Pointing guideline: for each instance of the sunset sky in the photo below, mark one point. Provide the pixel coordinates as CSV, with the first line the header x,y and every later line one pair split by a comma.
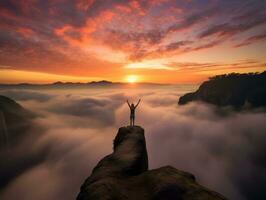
x,y
164,41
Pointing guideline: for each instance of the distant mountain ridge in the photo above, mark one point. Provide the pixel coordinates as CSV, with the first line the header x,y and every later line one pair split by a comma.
x,y
62,84
59,84
102,82
236,90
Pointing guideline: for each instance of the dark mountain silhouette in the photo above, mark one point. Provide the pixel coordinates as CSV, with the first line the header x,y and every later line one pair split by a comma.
x,y
14,120
59,84
124,174
93,83
103,82
234,89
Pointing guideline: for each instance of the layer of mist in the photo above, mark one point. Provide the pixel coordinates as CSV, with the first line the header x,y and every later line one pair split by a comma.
x,y
224,149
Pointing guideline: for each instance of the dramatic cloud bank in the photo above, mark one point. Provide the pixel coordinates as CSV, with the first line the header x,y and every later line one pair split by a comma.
x,y
225,150
84,38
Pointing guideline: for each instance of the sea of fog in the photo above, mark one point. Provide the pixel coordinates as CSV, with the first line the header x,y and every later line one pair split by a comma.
x,y
224,149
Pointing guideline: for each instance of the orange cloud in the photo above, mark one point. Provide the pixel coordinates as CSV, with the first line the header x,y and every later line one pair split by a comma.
x,y
26,32
112,39
83,34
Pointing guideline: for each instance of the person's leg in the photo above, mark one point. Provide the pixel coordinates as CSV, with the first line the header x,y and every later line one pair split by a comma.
x,y
130,121
133,121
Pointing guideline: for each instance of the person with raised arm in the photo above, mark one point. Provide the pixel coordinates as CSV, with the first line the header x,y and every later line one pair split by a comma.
x,y
132,108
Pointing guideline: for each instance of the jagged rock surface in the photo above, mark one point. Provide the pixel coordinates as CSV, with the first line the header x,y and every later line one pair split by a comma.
x,y
124,174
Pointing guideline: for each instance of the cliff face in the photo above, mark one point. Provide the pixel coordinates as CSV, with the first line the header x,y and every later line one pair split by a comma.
x,y
124,174
231,90
16,154
14,121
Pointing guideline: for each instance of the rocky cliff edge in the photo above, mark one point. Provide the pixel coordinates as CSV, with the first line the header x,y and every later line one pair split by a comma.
x,y
124,174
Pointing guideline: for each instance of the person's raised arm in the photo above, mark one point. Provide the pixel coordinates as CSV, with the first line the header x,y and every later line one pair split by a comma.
x,y
128,103
137,103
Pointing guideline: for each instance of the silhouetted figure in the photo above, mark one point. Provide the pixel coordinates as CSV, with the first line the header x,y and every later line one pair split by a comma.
x,y
132,112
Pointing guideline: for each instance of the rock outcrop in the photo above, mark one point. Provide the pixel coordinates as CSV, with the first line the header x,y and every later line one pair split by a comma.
x,y
235,90
16,141
124,174
14,120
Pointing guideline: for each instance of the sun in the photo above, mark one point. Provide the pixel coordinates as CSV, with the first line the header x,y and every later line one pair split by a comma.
x,y
132,78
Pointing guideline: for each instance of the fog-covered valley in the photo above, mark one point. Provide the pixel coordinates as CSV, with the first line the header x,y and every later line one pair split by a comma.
x,y
74,128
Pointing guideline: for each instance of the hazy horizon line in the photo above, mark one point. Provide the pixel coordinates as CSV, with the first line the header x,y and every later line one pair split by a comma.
x,y
92,82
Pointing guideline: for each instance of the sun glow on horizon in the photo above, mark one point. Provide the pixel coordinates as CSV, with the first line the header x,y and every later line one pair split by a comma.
x,y
132,78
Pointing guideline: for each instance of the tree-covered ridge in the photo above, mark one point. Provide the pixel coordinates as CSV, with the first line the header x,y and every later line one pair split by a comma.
x,y
233,89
